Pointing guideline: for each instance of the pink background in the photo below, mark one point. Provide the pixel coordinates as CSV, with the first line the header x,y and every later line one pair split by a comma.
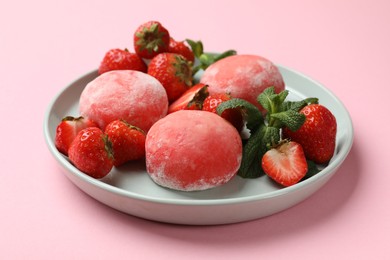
x,y
45,45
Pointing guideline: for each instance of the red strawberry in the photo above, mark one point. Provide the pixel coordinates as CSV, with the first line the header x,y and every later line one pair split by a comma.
x,y
118,59
182,49
67,130
233,115
192,99
150,39
317,135
91,152
128,142
174,73
286,164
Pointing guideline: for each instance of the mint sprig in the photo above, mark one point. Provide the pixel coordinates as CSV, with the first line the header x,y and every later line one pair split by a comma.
x,y
312,170
265,132
251,113
205,59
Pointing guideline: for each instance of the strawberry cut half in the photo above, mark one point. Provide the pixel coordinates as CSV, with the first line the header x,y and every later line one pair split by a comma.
x,y
286,164
67,130
192,99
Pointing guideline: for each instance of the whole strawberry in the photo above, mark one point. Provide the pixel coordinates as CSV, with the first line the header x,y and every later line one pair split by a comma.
x,y
118,59
150,39
192,99
174,73
181,48
67,130
286,163
232,115
128,142
91,152
317,135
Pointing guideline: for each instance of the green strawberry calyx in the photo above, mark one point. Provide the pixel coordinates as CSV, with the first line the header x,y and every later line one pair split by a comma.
x,y
265,130
150,38
183,70
108,147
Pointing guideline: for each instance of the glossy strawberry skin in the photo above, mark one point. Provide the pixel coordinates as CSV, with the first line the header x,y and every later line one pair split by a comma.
x,y
150,39
181,48
317,135
174,73
91,152
234,116
128,142
192,99
67,130
118,59
285,164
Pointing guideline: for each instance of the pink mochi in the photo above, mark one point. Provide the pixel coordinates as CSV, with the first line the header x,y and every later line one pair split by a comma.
x,y
133,96
243,76
192,150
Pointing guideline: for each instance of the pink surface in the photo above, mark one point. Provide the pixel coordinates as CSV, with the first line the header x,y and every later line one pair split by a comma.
x,y
45,45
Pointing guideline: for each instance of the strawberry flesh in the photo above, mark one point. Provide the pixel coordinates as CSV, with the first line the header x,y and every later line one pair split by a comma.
x,y
286,164
67,130
192,99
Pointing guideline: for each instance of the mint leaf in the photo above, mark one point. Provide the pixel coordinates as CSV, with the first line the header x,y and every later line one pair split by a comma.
x,y
298,105
270,138
205,59
196,47
290,118
280,98
257,145
252,153
224,55
251,113
312,170
266,99
272,102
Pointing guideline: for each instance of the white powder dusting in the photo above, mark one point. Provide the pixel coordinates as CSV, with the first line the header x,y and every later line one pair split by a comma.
x,y
176,144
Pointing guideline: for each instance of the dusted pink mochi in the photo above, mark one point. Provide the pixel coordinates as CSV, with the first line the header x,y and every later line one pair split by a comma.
x,y
134,96
243,76
192,150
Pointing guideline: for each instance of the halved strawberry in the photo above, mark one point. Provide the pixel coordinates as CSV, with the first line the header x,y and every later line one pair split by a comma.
x,y
67,130
286,163
192,99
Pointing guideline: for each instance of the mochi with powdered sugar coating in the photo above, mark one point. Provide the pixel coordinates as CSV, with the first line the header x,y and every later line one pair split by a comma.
x,y
192,150
133,96
243,76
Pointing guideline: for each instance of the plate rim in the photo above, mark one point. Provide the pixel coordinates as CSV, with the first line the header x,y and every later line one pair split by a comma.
x,y
65,163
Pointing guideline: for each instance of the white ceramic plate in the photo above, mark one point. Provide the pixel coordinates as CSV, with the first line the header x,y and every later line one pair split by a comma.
x,y
130,190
